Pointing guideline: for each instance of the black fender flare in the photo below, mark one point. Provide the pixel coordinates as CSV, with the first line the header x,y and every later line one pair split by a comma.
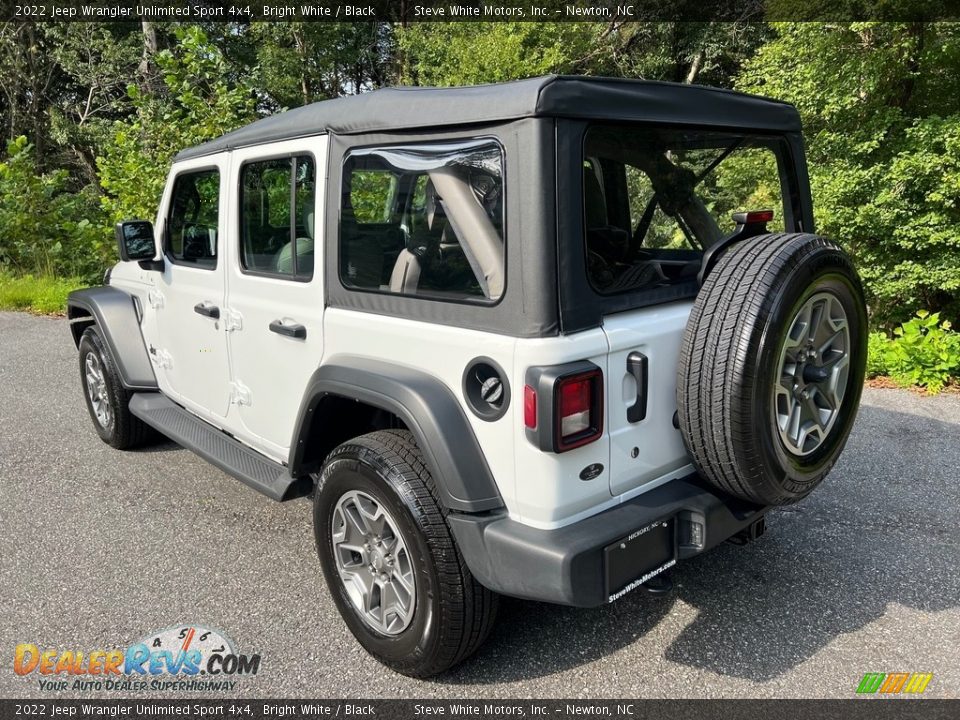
x,y
429,410
115,315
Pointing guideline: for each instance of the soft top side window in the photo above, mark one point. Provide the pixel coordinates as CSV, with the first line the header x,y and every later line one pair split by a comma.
x,y
424,220
192,219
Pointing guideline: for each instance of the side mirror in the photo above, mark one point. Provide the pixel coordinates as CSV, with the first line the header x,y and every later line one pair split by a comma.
x,y
135,240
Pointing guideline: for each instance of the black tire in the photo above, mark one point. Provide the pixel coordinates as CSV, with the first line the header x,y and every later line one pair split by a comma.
x,y
453,614
730,365
122,429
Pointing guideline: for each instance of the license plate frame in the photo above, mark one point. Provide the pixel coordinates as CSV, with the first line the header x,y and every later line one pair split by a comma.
x,y
639,557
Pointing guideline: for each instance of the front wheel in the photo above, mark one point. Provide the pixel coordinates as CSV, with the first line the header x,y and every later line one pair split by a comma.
x,y
390,560
107,399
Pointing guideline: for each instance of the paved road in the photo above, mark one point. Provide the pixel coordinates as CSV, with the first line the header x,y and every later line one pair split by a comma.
x,y
99,547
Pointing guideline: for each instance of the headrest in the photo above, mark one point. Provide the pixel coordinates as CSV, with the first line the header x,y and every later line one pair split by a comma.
x,y
307,216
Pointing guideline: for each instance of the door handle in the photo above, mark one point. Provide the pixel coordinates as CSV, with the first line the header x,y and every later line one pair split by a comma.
x,y
294,330
637,366
210,311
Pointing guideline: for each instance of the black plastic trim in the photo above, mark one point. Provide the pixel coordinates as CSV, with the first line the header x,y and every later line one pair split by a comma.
x,y
637,366
114,312
478,406
743,231
212,444
566,565
425,405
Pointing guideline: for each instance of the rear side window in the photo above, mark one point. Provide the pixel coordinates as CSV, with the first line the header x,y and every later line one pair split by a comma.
x,y
654,199
192,219
424,220
277,219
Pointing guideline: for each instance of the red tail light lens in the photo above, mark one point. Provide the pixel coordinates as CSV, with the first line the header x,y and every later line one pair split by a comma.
x,y
579,409
530,407
753,216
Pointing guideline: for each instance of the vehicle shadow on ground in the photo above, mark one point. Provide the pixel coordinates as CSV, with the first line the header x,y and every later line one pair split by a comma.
x,y
880,532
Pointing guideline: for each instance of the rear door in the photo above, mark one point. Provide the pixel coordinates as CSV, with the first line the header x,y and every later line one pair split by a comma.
x,y
644,351
653,198
275,287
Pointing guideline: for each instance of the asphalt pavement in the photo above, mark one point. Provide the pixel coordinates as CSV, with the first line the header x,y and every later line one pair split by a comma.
x,y
99,548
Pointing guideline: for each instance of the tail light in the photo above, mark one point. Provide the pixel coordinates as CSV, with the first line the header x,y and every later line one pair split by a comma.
x,y
563,406
579,409
530,407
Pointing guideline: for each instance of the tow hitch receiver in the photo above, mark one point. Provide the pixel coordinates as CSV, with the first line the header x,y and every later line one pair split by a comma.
x,y
751,532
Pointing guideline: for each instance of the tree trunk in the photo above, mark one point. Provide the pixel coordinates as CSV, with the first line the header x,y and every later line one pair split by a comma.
x,y
146,68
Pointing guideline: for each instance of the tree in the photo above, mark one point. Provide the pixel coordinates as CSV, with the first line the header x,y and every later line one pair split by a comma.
x,y
194,105
881,110
302,62
475,52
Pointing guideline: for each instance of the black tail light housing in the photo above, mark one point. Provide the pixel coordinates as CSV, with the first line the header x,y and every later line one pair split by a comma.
x,y
563,405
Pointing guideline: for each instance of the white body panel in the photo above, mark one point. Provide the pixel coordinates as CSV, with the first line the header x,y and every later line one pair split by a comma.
x,y
208,363
656,332
190,350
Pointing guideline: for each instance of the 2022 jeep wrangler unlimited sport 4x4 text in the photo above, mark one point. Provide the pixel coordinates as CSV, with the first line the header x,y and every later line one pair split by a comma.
x,y
507,336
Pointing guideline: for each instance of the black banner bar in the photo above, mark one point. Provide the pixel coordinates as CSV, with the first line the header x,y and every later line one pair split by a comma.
x,y
873,708
407,11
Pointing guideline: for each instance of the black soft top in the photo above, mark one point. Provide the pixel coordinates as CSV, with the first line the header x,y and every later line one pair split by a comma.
x,y
586,98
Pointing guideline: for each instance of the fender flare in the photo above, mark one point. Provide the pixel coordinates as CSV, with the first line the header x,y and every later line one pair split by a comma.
x,y
429,410
115,315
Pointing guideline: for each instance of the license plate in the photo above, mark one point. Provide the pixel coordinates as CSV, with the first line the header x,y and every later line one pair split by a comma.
x,y
639,557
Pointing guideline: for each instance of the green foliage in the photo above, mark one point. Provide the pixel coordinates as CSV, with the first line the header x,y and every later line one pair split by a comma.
x,y
195,104
302,62
43,295
881,110
923,351
43,228
469,53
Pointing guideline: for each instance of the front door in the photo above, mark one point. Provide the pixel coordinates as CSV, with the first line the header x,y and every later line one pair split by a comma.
x,y
190,354
275,287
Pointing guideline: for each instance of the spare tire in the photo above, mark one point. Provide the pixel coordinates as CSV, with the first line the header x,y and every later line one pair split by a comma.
x,y
771,366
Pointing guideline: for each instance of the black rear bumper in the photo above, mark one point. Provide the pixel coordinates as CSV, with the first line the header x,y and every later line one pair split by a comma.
x,y
567,565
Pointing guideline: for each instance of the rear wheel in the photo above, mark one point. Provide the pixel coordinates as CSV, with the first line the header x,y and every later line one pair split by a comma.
x,y
772,365
390,560
107,399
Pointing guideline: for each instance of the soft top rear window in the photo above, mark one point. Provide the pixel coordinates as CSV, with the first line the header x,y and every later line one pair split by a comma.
x,y
655,198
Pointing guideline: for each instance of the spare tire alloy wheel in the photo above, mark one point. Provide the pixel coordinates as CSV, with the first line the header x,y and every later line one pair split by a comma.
x,y
814,366
771,366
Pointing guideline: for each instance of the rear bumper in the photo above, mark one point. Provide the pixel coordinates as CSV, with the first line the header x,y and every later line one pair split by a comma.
x,y
567,565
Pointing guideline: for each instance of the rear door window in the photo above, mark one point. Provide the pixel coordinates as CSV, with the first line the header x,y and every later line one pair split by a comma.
x,y
277,222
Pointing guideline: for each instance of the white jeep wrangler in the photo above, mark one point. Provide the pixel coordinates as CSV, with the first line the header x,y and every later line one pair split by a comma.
x,y
508,336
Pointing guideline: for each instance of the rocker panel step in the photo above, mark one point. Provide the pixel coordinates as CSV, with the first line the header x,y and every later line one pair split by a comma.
x,y
230,455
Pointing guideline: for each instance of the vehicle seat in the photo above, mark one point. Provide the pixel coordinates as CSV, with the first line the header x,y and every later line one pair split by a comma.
x,y
424,241
609,241
304,246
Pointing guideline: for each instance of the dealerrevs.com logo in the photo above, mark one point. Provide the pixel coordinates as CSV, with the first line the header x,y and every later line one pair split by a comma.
x,y
185,657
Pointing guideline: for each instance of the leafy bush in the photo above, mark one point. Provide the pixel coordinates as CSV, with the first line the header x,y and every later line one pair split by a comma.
x,y
924,351
44,229
881,111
